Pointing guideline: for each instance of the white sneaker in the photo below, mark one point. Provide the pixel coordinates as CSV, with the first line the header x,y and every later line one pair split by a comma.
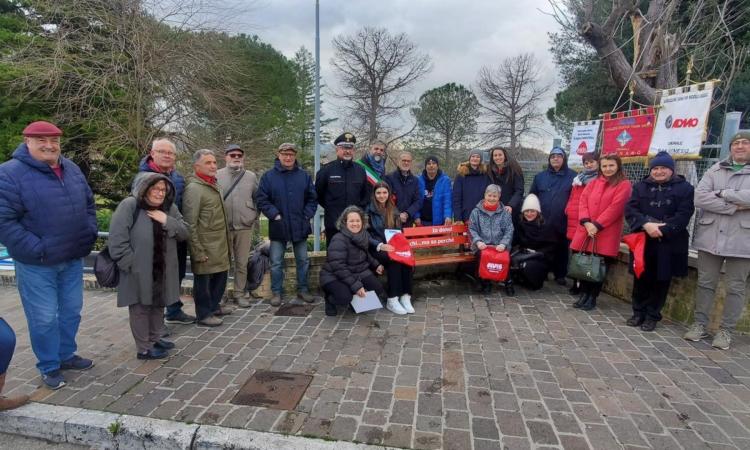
x,y
394,306
405,301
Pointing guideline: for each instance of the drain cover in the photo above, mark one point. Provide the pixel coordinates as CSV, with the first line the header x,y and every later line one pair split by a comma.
x,y
275,390
294,310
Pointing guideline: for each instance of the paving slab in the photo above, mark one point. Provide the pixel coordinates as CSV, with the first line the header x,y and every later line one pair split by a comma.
x,y
465,371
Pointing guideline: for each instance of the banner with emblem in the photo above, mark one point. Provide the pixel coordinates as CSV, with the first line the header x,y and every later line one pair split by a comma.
x,y
681,123
628,133
583,140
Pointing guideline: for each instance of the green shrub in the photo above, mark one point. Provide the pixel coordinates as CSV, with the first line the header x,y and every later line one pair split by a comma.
x,y
103,217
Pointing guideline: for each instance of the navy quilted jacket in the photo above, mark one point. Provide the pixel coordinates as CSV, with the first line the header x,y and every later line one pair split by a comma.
x,y
177,180
45,220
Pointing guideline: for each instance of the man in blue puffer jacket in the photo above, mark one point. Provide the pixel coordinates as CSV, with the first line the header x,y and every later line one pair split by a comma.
x,y
286,196
553,186
48,224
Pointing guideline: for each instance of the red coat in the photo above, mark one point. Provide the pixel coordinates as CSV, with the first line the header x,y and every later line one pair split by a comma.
x,y
571,211
604,206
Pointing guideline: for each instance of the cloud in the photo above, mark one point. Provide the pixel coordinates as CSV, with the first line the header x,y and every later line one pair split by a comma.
x,y
459,36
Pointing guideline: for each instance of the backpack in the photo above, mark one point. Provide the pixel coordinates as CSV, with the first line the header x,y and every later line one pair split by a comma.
x,y
257,265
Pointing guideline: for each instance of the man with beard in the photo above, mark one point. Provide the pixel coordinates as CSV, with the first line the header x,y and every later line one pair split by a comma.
x,y
552,186
374,164
238,187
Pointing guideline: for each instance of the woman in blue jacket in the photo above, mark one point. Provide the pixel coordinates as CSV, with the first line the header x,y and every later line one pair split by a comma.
x,y
435,186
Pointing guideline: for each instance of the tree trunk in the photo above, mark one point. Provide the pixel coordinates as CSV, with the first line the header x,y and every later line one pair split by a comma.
x,y
619,67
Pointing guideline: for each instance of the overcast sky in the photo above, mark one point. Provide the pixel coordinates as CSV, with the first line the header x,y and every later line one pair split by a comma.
x,y
459,36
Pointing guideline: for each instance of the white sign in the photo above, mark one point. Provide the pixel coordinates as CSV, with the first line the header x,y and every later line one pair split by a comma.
x,y
681,122
582,141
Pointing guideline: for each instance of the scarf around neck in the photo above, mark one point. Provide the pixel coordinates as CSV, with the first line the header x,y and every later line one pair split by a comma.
x,y
360,239
489,207
583,178
207,178
378,166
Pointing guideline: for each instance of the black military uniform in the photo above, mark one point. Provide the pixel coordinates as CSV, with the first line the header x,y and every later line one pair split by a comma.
x,y
339,184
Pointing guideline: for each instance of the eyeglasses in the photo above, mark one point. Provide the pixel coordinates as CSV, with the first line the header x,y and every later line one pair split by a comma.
x,y
165,153
158,190
741,142
235,155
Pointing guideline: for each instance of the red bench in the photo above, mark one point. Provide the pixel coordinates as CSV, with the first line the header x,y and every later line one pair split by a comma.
x,y
453,238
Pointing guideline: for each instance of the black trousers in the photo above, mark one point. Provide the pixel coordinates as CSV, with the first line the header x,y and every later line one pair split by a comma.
x,y
207,292
400,276
175,308
649,297
560,259
340,294
592,288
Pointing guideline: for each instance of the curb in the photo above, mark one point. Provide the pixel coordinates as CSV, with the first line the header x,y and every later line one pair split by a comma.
x,y
105,430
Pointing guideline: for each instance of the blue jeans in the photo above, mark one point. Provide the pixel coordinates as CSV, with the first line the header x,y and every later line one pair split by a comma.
x,y
52,298
277,265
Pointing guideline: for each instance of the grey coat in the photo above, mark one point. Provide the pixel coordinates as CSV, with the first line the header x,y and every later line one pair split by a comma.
x,y
723,223
131,244
490,227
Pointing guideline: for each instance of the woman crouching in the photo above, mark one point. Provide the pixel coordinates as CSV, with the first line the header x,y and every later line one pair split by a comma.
x,y
348,267
490,224
143,239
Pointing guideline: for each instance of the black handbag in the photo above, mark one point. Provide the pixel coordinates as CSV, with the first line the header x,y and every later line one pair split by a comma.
x,y
587,266
105,269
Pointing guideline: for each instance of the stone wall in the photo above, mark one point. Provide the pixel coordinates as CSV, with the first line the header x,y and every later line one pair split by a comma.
x,y
681,299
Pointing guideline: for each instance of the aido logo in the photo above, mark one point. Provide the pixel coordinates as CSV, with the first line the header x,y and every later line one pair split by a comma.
x,y
494,267
681,123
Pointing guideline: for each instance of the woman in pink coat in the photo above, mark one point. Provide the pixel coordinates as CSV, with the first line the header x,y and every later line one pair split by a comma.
x,y
589,173
601,216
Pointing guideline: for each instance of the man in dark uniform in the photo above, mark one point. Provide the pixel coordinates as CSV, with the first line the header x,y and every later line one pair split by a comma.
x,y
341,183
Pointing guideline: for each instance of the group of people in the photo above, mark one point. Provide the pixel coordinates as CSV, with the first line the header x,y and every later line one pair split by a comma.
x,y
48,224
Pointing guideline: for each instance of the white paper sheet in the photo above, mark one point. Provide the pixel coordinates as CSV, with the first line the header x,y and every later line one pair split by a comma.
x,y
368,303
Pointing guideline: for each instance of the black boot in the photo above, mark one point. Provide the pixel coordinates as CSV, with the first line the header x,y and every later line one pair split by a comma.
x,y
582,299
330,308
590,303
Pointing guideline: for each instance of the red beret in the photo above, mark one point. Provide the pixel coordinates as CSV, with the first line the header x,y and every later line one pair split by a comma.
x,y
41,128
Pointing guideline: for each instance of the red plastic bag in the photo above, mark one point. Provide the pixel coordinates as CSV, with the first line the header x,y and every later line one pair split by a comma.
x,y
636,242
402,252
494,265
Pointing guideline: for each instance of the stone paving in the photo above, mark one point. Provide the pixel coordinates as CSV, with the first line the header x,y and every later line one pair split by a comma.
x,y
465,372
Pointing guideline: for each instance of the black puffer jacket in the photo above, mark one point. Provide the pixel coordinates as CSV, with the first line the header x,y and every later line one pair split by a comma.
x,y
347,259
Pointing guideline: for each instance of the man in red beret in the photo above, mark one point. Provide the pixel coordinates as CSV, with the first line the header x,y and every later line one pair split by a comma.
x,y
48,224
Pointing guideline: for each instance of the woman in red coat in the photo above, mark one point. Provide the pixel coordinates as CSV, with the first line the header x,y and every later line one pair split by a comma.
x,y
601,216
590,172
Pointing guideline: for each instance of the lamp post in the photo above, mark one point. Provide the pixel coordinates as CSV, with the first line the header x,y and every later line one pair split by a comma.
x,y
316,220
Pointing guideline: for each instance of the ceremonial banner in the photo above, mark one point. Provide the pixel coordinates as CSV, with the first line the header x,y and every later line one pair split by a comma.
x,y
681,123
628,133
582,140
